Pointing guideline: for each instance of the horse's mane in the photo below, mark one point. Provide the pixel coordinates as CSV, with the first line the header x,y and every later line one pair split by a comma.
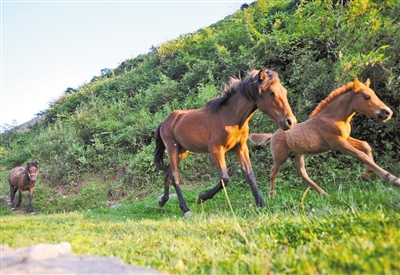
x,y
332,96
29,164
250,88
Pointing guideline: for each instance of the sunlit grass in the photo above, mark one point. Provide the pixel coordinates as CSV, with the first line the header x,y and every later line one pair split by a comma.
x,y
354,230
211,242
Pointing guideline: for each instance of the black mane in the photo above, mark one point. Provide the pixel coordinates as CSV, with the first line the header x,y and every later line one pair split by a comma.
x,y
30,164
250,89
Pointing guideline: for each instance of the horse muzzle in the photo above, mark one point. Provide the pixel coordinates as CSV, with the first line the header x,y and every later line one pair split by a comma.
x,y
287,123
384,114
32,177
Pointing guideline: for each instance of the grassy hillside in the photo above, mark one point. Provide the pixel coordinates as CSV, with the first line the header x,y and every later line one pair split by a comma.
x,y
106,126
97,184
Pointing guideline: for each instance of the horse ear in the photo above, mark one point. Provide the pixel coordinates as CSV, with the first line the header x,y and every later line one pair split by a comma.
x,y
368,82
262,75
356,85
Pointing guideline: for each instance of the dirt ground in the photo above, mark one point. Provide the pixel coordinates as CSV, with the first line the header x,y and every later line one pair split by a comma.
x,y
22,210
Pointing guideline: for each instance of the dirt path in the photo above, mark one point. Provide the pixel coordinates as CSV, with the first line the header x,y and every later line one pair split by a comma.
x,y
22,210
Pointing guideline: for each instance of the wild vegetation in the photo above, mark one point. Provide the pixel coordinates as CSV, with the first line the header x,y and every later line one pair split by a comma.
x,y
94,146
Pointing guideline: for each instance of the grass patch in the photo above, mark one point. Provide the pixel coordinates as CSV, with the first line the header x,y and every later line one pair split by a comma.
x,y
355,230
307,243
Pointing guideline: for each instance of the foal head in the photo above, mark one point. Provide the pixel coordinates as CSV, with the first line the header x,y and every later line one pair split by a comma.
x,y
367,102
272,98
31,167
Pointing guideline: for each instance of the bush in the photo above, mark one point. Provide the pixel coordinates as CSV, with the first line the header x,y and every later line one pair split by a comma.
x,y
315,46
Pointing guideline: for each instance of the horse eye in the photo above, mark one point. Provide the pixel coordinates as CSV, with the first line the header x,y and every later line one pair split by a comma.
x,y
271,93
366,97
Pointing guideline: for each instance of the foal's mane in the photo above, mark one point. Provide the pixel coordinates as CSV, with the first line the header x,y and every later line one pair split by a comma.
x,y
30,164
250,88
332,96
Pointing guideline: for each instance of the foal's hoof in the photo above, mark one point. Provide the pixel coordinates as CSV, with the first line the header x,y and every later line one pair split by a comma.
x,y
261,204
365,177
199,200
187,214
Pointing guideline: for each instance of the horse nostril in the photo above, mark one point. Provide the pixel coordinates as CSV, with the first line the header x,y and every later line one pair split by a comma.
x,y
289,122
384,114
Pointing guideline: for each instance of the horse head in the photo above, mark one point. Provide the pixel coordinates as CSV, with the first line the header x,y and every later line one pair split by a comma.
x,y
32,167
368,103
273,100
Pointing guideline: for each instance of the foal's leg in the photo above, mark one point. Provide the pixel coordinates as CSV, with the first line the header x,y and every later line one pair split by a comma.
x,y
31,200
165,197
364,147
278,162
301,172
347,148
280,153
242,153
167,179
219,159
175,158
19,197
13,190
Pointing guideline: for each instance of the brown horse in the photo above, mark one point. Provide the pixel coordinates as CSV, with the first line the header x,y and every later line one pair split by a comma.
x,y
23,179
329,128
222,126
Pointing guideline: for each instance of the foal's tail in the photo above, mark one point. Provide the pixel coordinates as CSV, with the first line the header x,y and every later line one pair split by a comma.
x,y
260,139
158,153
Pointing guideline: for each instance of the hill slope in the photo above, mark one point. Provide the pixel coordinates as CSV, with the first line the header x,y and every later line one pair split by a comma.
x,y
106,127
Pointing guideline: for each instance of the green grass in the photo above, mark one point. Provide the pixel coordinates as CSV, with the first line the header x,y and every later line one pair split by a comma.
x,y
308,243
355,230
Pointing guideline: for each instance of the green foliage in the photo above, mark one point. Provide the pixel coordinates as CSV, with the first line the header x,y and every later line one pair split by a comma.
x,y
107,126
15,148
95,145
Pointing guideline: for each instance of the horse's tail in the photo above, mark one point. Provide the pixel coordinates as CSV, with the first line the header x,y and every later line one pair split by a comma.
x,y
158,153
259,139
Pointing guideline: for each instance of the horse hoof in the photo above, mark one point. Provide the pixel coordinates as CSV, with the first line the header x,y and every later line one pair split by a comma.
x,y
365,177
261,204
187,214
199,201
12,209
33,213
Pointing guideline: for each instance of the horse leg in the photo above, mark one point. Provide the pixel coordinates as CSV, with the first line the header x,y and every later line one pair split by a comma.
x,y
364,147
347,148
273,175
280,153
13,190
165,197
19,197
175,159
301,172
244,159
31,200
219,159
